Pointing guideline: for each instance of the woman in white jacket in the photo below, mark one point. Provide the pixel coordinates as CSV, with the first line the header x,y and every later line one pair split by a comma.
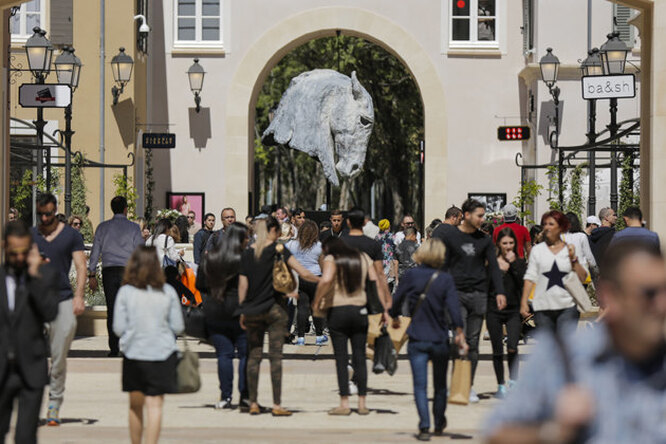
x,y
164,244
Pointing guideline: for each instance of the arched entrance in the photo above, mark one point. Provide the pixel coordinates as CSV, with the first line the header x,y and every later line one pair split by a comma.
x,y
273,45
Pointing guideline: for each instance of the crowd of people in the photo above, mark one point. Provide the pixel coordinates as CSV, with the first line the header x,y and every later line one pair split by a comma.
x,y
456,276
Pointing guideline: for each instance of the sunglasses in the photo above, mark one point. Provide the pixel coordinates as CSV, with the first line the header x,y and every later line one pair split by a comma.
x,y
190,217
45,213
76,224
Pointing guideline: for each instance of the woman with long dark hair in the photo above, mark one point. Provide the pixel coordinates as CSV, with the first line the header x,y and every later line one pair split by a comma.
x,y
345,273
577,237
306,248
147,316
513,270
550,261
182,226
264,309
164,243
218,280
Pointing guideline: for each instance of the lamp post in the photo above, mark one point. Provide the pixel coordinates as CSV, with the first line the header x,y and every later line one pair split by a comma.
x,y
613,60
196,75
68,68
39,51
591,66
549,66
121,67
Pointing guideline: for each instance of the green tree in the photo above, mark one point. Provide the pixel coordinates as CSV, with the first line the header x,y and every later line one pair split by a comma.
x,y
575,202
629,194
392,161
79,197
527,195
125,187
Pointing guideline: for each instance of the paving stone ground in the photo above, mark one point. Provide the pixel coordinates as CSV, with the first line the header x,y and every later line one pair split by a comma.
x,y
95,408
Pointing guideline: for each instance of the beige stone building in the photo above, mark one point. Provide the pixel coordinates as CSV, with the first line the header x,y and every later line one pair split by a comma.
x,y
475,63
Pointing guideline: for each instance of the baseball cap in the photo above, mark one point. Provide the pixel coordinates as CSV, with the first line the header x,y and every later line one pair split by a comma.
x,y
510,212
594,220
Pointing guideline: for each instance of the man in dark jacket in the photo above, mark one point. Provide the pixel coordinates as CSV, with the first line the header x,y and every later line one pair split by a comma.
x,y
602,236
28,299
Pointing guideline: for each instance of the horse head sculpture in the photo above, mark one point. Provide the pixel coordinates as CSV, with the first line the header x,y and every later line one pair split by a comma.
x,y
324,113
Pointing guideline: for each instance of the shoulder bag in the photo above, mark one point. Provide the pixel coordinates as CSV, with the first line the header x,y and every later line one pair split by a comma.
x,y
166,260
187,371
575,288
399,335
283,280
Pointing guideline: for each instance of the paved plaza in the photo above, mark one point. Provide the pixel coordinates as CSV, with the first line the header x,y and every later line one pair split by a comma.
x,y
95,409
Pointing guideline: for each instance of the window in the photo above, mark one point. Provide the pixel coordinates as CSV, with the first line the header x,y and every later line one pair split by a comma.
x,y
29,15
198,23
473,24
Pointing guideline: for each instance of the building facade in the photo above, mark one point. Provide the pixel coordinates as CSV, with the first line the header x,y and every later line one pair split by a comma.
x,y
475,63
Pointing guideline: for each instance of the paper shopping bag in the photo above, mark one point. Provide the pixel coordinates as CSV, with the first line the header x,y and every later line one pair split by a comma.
x,y
399,335
461,382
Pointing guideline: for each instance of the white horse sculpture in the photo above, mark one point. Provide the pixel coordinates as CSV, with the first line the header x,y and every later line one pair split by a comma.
x,y
324,113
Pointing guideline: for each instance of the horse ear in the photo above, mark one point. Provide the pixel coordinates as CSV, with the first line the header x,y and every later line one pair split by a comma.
x,y
357,89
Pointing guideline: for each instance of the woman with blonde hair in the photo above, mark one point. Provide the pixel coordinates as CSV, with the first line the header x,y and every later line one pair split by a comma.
x,y
264,309
147,316
430,294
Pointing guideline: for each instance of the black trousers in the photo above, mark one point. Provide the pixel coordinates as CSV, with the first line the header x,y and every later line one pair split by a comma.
x,y
112,279
306,293
347,323
29,402
494,321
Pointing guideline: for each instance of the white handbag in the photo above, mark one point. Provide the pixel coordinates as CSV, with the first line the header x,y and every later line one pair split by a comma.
x,y
577,292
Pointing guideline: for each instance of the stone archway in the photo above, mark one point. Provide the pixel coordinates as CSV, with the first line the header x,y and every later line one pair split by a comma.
x,y
278,41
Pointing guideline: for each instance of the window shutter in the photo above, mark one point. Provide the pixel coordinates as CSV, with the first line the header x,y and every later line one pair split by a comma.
x,y
61,33
528,26
621,15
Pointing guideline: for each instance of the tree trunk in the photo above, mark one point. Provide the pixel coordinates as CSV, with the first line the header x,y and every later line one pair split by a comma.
x,y
398,207
321,186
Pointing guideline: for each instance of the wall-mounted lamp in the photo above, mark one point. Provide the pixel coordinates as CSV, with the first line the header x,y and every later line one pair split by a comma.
x,y
121,66
196,75
144,28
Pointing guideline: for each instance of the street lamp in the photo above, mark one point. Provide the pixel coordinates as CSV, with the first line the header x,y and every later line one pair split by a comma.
x,y
196,75
591,66
39,51
613,59
68,68
614,54
121,66
549,65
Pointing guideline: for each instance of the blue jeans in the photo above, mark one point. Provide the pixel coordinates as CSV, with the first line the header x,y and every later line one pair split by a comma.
x,y
420,352
233,339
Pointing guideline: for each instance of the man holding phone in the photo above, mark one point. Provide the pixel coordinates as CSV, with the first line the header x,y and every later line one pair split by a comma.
x,y
60,244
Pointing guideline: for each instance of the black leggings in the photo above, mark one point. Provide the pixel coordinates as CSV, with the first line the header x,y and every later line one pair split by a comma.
x,y
306,293
347,323
494,321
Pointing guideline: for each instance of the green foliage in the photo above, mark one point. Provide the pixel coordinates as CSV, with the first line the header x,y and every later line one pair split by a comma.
x,y
125,187
79,197
629,194
527,195
553,187
150,185
392,161
20,192
575,202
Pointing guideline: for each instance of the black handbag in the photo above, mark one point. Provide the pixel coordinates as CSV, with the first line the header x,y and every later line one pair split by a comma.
x,y
374,304
386,356
195,321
